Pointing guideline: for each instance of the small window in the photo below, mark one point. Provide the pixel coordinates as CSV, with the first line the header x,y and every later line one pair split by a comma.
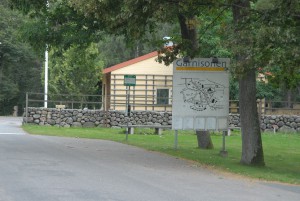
x,y
162,96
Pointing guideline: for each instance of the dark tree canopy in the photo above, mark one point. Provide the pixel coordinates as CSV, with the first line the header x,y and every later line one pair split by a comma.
x,y
19,66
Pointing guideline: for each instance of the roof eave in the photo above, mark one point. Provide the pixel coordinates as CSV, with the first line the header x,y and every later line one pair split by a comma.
x,y
130,62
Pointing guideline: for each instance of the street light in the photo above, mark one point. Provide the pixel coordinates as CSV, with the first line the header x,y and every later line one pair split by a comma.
x,y
46,67
186,59
46,78
215,60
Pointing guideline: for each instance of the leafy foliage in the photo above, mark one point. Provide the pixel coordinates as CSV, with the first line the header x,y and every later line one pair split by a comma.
x,y
233,89
56,24
278,42
19,66
75,71
134,19
267,91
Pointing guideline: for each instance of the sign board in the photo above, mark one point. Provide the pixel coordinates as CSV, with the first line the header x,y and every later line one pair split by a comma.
x,y
129,80
200,94
60,106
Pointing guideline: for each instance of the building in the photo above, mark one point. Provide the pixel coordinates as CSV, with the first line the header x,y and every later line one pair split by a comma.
x,y
153,85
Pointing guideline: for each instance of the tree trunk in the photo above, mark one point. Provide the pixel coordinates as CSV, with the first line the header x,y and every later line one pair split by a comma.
x,y
204,140
188,28
189,34
252,150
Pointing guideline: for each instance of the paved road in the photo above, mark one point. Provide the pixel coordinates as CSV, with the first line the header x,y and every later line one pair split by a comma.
x,y
39,168
11,125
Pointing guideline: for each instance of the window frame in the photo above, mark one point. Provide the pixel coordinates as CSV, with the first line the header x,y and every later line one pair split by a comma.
x,y
163,98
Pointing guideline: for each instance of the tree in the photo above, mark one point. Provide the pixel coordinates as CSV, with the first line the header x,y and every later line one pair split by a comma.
x,y
115,49
74,71
56,24
19,66
280,20
252,149
267,91
265,32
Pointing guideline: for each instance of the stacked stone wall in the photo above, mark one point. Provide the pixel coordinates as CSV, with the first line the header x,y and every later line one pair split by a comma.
x,y
269,123
94,118
99,118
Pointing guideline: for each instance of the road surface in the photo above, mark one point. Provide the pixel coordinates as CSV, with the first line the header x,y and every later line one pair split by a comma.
x,y
41,168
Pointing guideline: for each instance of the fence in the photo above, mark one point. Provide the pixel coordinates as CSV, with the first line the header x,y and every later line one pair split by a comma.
x,y
145,103
268,107
70,101
281,107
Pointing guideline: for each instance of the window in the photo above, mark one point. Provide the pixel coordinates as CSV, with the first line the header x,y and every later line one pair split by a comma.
x,y
162,96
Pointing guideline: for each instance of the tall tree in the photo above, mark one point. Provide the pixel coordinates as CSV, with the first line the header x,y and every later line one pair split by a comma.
x,y
19,66
265,35
56,23
279,32
115,49
252,149
75,70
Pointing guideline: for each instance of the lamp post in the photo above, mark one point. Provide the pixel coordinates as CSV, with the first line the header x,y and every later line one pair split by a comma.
x,y
46,66
46,79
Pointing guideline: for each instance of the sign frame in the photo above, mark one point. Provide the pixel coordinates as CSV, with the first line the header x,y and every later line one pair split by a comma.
x,y
129,80
200,94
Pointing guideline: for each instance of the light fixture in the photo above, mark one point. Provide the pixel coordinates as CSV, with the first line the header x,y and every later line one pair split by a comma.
x,y
186,59
168,42
215,60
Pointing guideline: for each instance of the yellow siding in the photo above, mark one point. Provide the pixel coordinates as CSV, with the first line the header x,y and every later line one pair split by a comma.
x,y
150,76
148,66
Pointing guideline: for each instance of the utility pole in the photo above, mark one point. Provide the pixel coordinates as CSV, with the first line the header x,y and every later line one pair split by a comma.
x,y
46,66
46,79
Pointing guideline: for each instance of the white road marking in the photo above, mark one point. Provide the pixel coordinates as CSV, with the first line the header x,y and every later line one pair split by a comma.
x,y
12,133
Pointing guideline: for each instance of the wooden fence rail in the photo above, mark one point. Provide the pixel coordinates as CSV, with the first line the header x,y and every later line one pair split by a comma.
x,y
142,102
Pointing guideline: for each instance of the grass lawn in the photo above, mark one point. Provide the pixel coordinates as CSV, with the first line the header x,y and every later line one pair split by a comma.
x,y
281,151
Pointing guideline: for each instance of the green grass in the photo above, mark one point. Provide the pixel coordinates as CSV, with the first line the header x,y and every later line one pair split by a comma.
x,y
281,151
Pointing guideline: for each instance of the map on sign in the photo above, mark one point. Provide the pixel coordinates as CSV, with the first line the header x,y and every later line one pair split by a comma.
x,y
200,94
203,94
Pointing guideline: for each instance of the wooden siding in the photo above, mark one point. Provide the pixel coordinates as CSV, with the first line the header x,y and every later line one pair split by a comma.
x,y
142,96
150,76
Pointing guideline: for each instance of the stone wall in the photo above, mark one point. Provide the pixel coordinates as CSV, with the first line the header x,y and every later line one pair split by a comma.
x,y
98,118
94,118
282,123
